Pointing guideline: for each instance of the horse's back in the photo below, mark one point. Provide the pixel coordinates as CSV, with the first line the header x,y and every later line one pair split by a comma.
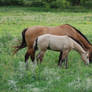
x,y
33,32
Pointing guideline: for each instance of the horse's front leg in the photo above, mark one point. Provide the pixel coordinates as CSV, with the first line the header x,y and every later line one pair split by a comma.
x,y
28,53
65,57
66,62
26,59
32,54
60,59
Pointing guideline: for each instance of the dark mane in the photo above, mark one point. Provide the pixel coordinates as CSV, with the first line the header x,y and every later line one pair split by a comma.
x,y
79,33
76,41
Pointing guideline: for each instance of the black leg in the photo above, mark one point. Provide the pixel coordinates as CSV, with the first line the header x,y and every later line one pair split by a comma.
x,y
26,60
26,57
32,56
60,59
66,62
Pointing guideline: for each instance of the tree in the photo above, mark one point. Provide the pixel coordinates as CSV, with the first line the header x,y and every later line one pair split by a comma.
x,y
77,2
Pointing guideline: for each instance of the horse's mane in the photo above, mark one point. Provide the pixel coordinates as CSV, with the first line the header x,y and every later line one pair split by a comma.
x,y
79,33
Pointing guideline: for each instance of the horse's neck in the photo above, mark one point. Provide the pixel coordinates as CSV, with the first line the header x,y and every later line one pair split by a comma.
x,y
82,39
85,43
77,47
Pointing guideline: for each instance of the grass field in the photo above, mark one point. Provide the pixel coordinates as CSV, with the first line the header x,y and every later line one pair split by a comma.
x,y
46,77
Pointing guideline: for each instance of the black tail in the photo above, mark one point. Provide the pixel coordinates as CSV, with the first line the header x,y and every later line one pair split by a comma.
x,y
35,44
22,44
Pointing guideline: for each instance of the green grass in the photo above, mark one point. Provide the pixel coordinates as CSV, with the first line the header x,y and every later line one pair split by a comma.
x,y
46,77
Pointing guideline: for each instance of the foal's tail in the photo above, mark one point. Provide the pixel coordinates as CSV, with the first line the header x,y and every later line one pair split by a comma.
x,y
22,44
35,45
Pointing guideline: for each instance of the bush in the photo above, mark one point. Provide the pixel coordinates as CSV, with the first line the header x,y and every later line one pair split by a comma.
x,y
43,3
56,3
11,2
34,3
77,2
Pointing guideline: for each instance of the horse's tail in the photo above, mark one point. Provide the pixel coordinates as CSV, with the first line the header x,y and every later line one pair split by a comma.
x,y
35,45
22,44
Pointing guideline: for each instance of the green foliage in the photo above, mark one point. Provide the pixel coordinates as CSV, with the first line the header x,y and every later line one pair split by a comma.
x,y
43,3
77,2
11,2
57,3
34,3
83,2
47,77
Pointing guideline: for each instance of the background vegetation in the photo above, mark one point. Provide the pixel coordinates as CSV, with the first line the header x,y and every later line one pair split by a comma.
x,y
46,77
44,3
15,15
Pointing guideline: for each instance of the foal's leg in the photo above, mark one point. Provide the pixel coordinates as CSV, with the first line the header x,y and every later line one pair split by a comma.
x,y
40,56
63,60
65,57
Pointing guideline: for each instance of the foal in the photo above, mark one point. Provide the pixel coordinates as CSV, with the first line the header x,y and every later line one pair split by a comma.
x,y
59,43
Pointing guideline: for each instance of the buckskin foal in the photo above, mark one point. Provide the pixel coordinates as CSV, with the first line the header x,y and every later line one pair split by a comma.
x,y
58,43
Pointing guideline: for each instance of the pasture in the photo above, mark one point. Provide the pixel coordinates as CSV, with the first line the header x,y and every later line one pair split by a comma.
x,y
47,77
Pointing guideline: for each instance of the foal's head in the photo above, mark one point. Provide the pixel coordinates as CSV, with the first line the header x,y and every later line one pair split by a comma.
x,y
85,57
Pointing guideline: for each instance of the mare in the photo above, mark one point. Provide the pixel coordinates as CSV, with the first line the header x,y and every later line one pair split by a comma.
x,y
58,43
30,34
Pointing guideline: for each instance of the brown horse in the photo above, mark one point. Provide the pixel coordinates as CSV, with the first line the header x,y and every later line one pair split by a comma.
x,y
30,34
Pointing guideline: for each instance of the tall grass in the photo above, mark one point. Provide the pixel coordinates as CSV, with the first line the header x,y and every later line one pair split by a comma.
x,y
47,77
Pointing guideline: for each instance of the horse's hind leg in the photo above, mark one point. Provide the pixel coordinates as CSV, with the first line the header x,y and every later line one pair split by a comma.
x,y
28,53
26,59
31,53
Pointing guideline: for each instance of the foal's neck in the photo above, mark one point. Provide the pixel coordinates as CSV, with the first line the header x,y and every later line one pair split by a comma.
x,y
78,47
